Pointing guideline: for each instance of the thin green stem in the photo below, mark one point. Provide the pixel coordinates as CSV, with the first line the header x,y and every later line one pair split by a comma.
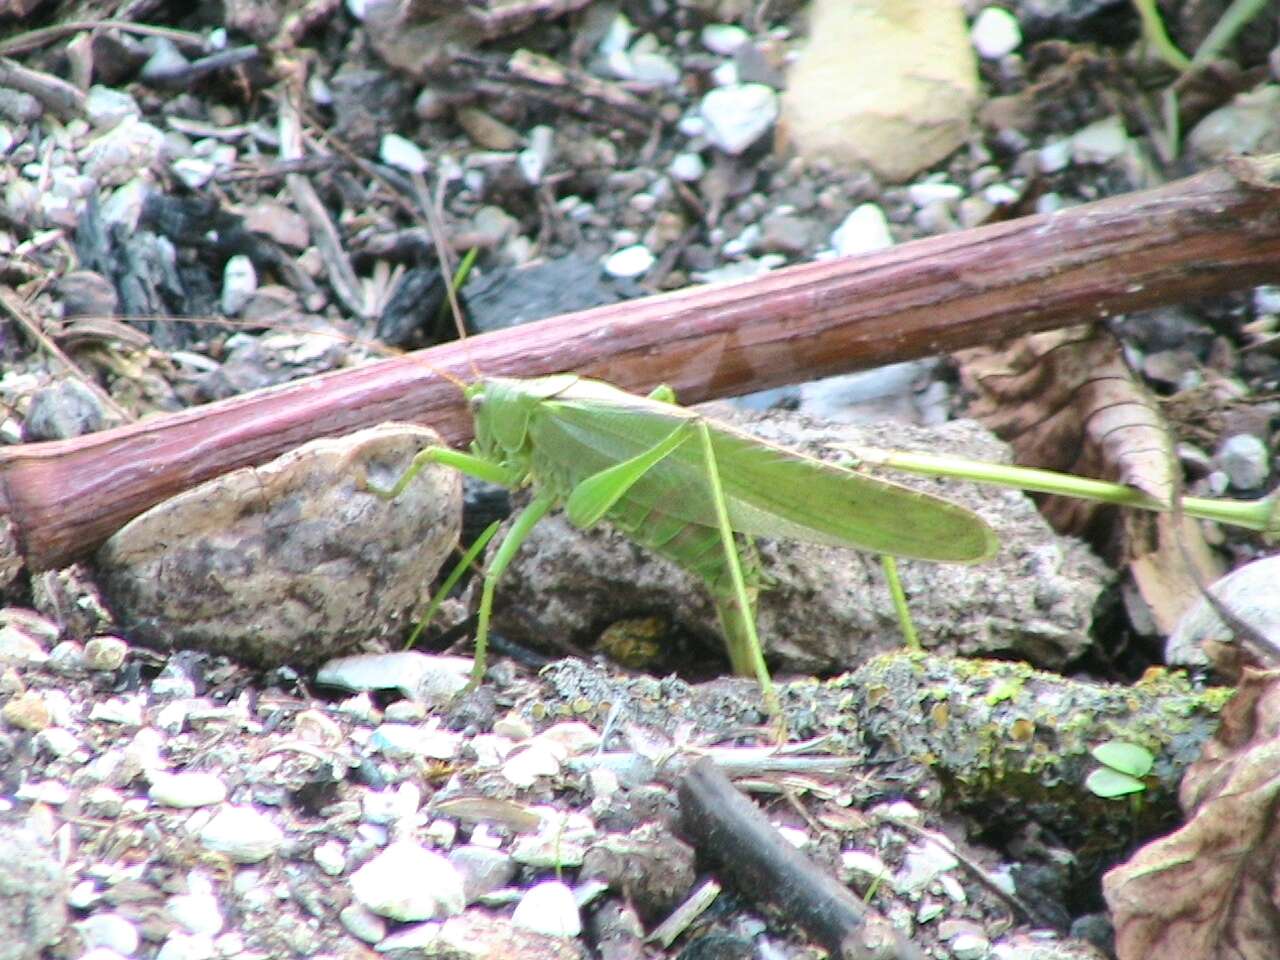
x,y
451,581
1155,34
1232,21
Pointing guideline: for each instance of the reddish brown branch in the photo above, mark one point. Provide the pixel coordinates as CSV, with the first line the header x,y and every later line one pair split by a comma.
x,y
1210,234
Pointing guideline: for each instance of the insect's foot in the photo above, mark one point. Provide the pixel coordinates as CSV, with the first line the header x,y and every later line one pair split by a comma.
x,y
780,733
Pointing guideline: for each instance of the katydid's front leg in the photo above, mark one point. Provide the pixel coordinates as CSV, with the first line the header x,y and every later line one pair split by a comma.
x,y
481,469
528,518
468,463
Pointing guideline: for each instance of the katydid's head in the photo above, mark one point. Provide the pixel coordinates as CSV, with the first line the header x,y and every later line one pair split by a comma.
x,y
502,407
501,418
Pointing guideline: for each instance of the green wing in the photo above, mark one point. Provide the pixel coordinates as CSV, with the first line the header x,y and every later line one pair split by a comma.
x,y
770,491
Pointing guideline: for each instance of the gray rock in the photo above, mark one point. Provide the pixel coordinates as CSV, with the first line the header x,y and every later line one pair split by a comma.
x,y
823,608
362,923
650,866
1249,124
1246,460
105,653
66,409
123,152
1248,593
33,894
483,869
291,562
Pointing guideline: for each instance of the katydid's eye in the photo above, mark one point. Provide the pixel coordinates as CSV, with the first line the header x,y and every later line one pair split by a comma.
x,y
476,403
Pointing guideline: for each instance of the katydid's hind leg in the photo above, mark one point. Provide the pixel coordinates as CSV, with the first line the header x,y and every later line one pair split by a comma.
x,y
899,596
745,652
528,518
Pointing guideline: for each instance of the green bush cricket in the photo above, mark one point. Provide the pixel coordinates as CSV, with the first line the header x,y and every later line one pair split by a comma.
x,y
687,487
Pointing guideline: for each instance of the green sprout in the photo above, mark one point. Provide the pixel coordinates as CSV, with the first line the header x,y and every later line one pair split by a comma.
x,y
1123,767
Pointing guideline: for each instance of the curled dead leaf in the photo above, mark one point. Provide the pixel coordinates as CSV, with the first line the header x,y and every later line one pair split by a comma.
x,y
1066,400
1211,890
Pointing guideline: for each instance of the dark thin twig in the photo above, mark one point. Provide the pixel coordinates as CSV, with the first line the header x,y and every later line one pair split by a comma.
x,y
732,831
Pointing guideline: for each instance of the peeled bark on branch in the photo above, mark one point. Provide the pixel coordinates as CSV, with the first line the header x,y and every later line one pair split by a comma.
x,y
1206,235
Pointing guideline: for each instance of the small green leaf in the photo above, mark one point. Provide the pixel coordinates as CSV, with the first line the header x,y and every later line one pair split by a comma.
x,y
1124,757
1107,783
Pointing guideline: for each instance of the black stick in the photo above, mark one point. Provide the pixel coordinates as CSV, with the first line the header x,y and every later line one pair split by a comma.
x,y
728,828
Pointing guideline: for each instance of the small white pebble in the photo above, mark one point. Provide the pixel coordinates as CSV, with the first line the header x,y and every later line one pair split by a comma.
x,y
723,38
524,766
330,857
923,194
197,913
407,882
126,711
1266,299
687,167
737,116
182,946
1245,459
189,789
242,833
549,908
109,930
1100,142
863,230
970,946
402,153
995,33
631,261
239,281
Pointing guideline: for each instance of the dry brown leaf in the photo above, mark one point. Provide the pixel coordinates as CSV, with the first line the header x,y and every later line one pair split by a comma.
x,y
1211,891
1066,400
